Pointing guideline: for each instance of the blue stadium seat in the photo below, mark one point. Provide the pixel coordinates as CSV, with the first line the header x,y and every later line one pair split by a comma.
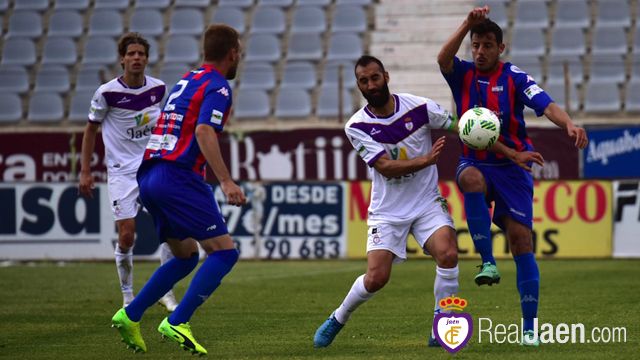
x,y
182,49
237,3
268,20
90,77
147,22
59,51
555,70
344,46
192,3
71,4
25,23
328,102
613,13
13,79
313,2
230,15
171,73
498,13
45,107
280,3
602,98
308,19
11,106
531,14
568,41
111,4
263,47
607,69
156,4
527,42
304,46
330,74
299,75
349,18
106,22
100,50
80,104
4,5
556,91
153,50
52,78
632,98
572,13
532,66
65,23
251,104
18,51
609,41
354,2
293,103
186,22
39,5
257,76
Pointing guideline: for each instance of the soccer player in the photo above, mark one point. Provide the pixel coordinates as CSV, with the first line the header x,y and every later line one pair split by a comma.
x,y
172,188
502,175
392,135
127,108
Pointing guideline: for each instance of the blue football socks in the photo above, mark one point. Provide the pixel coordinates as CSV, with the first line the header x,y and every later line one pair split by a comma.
x,y
204,283
160,282
479,222
528,285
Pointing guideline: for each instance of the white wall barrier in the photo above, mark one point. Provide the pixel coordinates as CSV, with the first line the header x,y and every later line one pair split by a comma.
x,y
626,218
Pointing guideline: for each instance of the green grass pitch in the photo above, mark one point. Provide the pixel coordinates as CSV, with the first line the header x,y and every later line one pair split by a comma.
x,y
270,310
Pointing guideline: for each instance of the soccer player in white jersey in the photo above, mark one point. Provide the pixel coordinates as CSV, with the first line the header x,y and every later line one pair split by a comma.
x,y
127,107
392,135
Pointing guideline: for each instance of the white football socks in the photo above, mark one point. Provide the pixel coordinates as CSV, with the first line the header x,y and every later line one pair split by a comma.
x,y
165,253
124,265
446,284
356,296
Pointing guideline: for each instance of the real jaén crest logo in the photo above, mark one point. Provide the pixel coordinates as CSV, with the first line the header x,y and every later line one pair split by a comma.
x,y
453,330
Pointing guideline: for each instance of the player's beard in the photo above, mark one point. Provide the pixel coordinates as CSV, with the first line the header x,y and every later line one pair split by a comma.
x,y
231,74
378,99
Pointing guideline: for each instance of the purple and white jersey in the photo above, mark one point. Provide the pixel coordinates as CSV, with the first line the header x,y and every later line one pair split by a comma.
x,y
128,116
405,134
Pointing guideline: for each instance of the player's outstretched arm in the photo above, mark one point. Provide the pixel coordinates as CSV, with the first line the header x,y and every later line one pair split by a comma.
x,y
210,148
560,117
85,188
522,158
451,47
394,168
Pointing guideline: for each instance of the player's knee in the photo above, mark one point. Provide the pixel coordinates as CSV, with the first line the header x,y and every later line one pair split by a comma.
x,y
471,180
448,258
126,239
375,281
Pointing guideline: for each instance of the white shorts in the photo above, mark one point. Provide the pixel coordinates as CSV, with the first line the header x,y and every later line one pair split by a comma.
x,y
123,195
393,237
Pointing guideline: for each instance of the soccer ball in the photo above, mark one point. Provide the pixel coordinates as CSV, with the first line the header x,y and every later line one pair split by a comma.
x,y
479,128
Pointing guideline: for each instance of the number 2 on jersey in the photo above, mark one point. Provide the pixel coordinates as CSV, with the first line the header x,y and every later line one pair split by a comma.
x,y
170,106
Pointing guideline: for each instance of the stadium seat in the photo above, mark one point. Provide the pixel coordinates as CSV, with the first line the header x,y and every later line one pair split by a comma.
x,y
106,22
71,4
186,22
251,104
531,65
79,107
602,97
313,2
354,2
263,47
632,98
192,3
45,107
4,5
349,18
613,13
636,40
344,46
11,106
153,50
65,23
171,73
90,77
607,69
237,3
230,15
304,46
111,4
52,78
330,74
572,13
328,102
147,22
24,23
18,51
556,91
293,103
609,41
531,14
39,5
257,76
182,49
527,42
498,13
268,20
555,70
156,4
60,51
13,79
280,3
308,19
100,50
299,75
568,41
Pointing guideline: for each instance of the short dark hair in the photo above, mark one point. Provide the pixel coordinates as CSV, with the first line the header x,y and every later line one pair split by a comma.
x,y
486,27
219,39
365,60
132,38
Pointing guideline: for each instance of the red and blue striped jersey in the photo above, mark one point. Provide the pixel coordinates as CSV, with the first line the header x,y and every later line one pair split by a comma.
x,y
202,96
505,92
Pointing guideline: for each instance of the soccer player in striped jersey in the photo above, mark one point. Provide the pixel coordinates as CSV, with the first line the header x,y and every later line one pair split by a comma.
x,y
501,175
392,135
127,108
172,188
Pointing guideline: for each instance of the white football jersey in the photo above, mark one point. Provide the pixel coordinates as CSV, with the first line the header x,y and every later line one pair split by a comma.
x,y
128,116
403,135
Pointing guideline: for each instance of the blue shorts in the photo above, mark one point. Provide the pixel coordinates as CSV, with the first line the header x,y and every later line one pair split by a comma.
x,y
509,186
181,203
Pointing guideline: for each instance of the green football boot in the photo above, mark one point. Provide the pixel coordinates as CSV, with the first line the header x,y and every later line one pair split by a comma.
x,y
182,335
129,331
529,339
488,275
